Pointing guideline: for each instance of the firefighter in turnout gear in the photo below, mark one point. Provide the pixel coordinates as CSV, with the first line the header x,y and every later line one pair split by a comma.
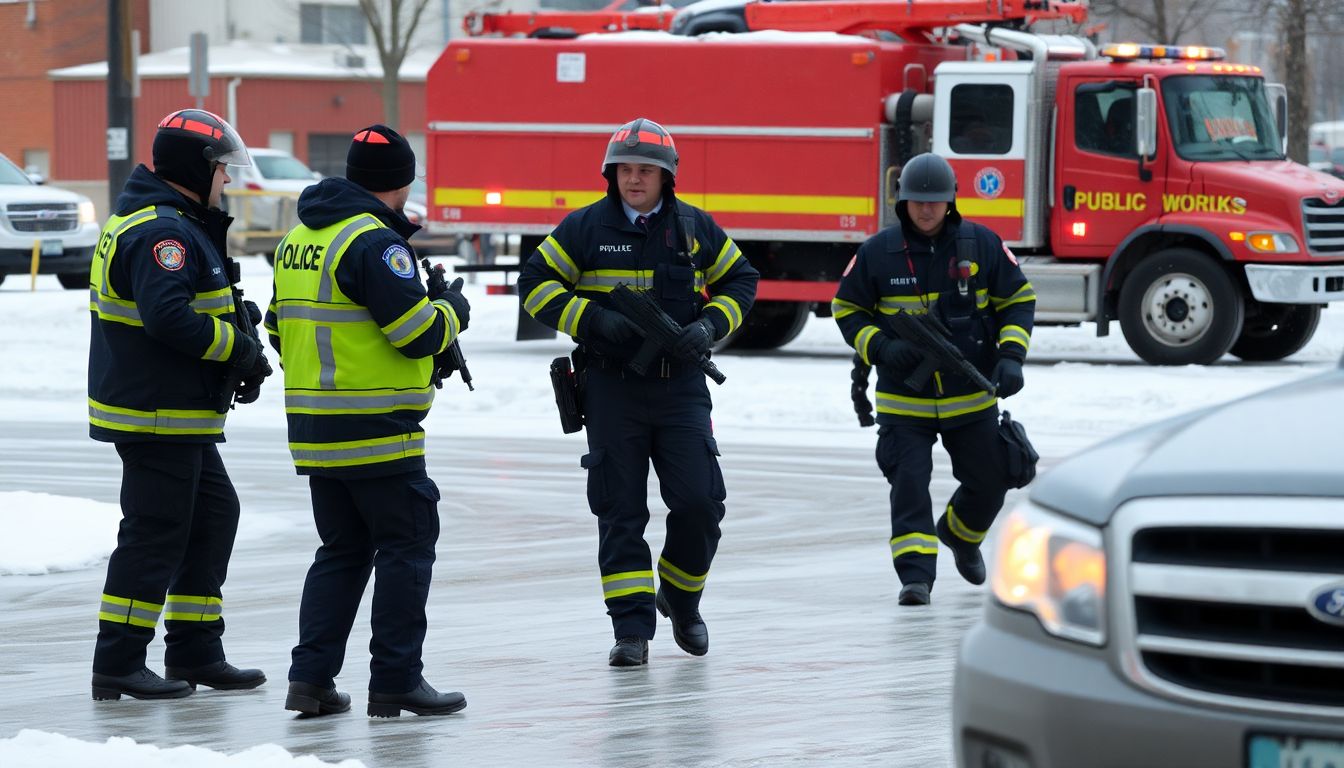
x,y
963,273
357,336
641,235
165,342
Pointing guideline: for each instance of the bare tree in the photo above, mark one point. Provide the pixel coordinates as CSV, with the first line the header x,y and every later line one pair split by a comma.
x,y
392,32
1159,21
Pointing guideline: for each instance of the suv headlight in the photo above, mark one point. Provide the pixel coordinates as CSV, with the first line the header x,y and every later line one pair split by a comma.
x,y
86,212
1054,568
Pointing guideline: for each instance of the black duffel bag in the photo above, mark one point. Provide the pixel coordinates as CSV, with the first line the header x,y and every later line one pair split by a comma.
x,y
1020,456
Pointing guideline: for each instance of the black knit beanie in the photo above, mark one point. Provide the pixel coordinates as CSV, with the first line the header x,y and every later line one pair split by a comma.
x,y
380,159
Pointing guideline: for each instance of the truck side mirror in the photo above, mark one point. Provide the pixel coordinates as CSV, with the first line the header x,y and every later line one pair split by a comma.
x,y
1145,123
1278,99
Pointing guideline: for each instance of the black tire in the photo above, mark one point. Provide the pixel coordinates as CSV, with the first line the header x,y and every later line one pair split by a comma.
x,y
771,325
1275,331
73,281
1180,307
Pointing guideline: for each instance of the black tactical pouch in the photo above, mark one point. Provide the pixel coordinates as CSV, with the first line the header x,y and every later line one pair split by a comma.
x,y
1020,455
566,386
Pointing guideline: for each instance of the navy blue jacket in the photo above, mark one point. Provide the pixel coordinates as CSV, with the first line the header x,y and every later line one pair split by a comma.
x,y
159,365
597,246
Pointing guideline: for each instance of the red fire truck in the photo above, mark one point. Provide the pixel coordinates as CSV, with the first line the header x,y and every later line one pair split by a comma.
x,y
1144,184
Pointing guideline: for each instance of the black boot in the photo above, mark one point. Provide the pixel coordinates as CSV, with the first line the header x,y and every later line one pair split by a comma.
x,y
629,652
315,700
914,593
220,675
688,629
970,564
143,684
422,700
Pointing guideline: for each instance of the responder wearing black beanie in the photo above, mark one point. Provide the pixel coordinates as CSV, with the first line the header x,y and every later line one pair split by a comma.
x,y
380,159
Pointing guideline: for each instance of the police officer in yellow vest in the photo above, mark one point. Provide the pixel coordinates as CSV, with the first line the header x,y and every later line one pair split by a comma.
x,y
161,349
357,335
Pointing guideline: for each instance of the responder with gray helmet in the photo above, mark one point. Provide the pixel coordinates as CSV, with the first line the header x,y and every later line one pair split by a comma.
x,y
641,235
165,350
962,273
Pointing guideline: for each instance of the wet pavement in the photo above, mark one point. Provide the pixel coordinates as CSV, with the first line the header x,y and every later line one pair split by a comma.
x,y
811,660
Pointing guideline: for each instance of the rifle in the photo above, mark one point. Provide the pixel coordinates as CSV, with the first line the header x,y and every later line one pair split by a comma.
x,y
450,359
660,331
243,322
933,339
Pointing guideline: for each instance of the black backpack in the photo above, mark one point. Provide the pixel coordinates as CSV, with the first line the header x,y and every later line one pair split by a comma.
x,y
1020,456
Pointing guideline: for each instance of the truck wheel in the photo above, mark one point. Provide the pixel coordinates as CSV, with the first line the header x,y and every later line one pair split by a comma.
x,y
1276,331
771,324
73,281
1180,307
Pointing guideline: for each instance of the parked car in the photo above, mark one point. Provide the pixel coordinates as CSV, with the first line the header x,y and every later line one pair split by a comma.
x,y
263,198
1171,597
59,222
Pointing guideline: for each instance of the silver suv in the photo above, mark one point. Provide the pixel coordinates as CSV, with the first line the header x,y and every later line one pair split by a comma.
x,y
59,223
1171,597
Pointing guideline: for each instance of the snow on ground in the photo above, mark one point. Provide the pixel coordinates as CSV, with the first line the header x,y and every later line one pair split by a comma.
x,y
34,749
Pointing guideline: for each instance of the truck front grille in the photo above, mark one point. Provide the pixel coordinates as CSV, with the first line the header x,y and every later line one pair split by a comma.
x,y
1324,224
43,217
1216,609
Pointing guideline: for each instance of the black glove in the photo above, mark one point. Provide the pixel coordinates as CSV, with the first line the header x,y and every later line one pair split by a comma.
x,y
610,325
246,350
253,312
898,354
461,307
249,387
695,339
1007,377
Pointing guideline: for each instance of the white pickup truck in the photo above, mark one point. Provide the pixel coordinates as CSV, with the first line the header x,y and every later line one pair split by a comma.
x,y
60,223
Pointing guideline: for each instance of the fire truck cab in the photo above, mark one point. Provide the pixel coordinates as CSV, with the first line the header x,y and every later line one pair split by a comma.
x,y
1144,184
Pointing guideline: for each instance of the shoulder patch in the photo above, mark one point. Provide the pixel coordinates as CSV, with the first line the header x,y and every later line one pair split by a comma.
x,y
1008,252
850,265
399,260
170,255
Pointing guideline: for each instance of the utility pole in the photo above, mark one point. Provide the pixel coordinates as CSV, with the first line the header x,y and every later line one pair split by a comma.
x,y
120,110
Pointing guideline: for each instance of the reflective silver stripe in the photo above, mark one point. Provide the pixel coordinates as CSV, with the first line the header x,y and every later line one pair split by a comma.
x,y
887,403
913,304
638,583
542,295
348,401
670,574
326,358
359,451
192,610
1014,334
108,611
324,288
115,310
731,253
353,314
961,530
454,323
116,233
569,317
604,129
956,406
158,420
204,306
411,326
219,350
559,262
914,544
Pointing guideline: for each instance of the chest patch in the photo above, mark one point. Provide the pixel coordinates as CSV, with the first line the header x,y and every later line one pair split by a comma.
x,y
398,259
170,255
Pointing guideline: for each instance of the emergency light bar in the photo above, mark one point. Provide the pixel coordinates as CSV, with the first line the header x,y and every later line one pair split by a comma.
x,y
1148,51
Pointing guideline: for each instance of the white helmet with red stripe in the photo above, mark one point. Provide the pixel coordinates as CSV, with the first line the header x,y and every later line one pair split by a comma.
x,y
641,141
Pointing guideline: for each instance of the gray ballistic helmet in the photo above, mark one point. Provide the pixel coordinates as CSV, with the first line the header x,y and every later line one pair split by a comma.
x,y
927,178
640,141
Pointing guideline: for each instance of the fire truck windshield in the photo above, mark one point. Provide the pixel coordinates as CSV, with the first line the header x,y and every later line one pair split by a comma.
x,y
1220,117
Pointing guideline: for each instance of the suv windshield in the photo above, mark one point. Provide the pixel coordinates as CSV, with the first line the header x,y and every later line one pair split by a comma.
x,y
1216,117
281,167
10,173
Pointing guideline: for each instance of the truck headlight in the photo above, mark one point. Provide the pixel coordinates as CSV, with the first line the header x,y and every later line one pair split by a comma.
x,y
1054,568
1271,242
86,212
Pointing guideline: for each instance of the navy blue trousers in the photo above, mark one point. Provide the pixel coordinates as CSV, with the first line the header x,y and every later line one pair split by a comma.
x,y
382,525
179,518
632,420
905,456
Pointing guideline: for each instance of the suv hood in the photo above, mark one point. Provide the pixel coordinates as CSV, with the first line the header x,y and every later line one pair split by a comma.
x,y
1280,179
25,193
1286,441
